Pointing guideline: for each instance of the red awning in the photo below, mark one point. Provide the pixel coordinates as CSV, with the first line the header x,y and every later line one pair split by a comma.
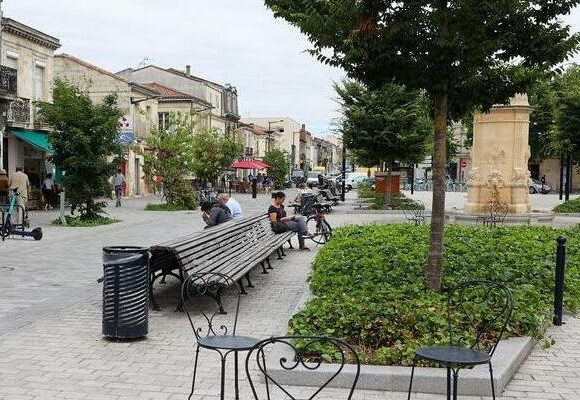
x,y
249,164
262,163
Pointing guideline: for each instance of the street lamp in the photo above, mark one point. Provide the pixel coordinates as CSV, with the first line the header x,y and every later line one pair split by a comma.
x,y
270,131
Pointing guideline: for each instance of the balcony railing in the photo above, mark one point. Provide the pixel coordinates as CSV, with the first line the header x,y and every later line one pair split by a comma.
x,y
8,79
19,112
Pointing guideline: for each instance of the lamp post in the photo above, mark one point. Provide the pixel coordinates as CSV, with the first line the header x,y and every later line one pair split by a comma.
x,y
269,132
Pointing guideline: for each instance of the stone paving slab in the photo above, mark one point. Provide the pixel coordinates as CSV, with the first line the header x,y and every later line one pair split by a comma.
x,y
51,345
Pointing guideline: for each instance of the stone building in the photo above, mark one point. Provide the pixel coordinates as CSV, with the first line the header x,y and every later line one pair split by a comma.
x,y
27,66
138,103
218,102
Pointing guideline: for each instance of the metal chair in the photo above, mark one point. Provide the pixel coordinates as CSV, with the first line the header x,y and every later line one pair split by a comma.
x,y
301,352
416,216
485,307
216,335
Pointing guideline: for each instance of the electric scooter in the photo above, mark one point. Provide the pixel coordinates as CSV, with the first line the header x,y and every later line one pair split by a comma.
x,y
9,228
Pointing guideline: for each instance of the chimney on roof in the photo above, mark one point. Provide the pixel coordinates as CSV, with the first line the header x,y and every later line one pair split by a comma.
x,y
188,70
303,127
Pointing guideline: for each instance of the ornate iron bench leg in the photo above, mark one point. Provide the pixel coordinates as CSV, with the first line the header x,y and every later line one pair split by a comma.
x,y
263,267
242,288
289,244
279,254
154,304
268,262
250,284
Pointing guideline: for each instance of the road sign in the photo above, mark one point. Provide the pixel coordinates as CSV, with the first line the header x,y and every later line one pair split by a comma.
x,y
463,164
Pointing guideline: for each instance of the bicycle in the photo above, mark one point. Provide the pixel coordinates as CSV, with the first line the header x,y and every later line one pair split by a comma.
x,y
318,224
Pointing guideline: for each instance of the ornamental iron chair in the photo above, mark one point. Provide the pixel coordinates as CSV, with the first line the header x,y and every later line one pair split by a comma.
x,y
416,216
485,309
208,294
301,353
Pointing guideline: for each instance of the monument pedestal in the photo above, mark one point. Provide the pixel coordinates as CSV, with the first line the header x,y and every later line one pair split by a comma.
x,y
499,158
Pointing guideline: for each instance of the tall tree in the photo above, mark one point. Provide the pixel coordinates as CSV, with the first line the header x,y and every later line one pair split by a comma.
x,y
464,53
385,125
85,135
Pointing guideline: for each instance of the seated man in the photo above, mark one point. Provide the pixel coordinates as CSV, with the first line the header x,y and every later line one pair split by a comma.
x,y
214,214
232,205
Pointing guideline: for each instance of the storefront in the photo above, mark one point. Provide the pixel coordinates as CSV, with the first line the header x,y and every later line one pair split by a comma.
x,y
29,149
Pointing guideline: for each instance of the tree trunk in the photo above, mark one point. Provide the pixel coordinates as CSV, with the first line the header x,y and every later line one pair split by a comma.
x,y
435,261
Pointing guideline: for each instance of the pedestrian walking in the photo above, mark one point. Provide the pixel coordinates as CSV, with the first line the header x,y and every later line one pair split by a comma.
x,y
118,183
20,180
47,189
4,185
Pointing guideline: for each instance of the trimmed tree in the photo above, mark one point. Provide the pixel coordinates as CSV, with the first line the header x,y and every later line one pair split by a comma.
x,y
463,53
278,162
213,153
385,125
85,135
169,156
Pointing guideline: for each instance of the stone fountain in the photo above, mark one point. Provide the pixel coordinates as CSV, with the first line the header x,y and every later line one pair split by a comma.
x,y
499,174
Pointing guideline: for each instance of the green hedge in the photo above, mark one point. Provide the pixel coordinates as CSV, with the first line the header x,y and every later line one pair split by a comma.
x,y
571,206
370,290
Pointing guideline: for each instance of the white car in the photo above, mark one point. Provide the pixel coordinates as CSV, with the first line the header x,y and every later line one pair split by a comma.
x,y
354,179
312,179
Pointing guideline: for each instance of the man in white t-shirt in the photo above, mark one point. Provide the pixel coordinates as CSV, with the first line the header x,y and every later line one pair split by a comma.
x,y
233,205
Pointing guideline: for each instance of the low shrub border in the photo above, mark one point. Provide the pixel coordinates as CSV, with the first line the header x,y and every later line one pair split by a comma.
x,y
571,206
77,222
370,287
165,207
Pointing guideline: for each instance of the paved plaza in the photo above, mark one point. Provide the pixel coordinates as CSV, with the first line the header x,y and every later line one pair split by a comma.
x,y
51,345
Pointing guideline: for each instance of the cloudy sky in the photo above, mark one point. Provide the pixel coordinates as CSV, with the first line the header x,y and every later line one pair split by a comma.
x,y
227,41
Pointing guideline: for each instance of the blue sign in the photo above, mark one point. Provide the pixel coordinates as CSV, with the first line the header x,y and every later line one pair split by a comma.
x,y
126,137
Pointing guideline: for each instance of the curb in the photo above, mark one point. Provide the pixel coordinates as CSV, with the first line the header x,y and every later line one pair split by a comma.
x,y
507,359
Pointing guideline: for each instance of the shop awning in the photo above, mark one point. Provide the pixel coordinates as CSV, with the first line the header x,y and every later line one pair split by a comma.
x,y
249,164
38,139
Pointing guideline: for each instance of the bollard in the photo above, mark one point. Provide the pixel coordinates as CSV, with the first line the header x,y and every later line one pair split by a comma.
x,y
559,284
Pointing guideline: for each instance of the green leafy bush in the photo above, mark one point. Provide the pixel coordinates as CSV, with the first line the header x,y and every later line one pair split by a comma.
x,y
185,197
571,206
84,221
369,283
164,207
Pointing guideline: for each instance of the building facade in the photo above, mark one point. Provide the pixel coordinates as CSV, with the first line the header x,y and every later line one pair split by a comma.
x,y
138,103
218,102
27,63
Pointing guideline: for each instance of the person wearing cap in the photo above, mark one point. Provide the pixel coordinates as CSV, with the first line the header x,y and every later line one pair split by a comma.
x,y
233,205
4,185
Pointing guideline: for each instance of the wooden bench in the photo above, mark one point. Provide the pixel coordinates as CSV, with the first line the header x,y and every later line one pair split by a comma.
x,y
233,249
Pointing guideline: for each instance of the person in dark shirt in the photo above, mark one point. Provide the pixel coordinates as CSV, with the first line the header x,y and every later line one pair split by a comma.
x,y
277,213
214,214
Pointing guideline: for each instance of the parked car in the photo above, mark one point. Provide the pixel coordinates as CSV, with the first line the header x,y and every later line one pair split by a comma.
x,y
537,187
354,179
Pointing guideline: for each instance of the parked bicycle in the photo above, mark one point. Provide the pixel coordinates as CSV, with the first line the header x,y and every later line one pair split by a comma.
x,y
318,225
206,195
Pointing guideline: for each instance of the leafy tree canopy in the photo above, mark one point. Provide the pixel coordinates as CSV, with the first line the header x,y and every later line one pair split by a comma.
x,y
212,154
479,52
278,161
170,154
386,125
84,136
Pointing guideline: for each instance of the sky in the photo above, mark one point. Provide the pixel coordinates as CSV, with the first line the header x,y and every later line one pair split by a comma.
x,y
226,41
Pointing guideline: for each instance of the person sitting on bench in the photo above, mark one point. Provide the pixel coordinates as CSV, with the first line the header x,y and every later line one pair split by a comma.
x,y
214,214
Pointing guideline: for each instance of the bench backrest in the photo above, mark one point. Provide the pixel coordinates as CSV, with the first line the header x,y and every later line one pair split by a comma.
x,y
222,242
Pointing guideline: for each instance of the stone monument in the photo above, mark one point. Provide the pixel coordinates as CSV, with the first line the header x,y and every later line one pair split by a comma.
x,y
499,159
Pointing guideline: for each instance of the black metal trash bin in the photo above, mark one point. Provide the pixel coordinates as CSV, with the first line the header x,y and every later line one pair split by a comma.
x,y
125,291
